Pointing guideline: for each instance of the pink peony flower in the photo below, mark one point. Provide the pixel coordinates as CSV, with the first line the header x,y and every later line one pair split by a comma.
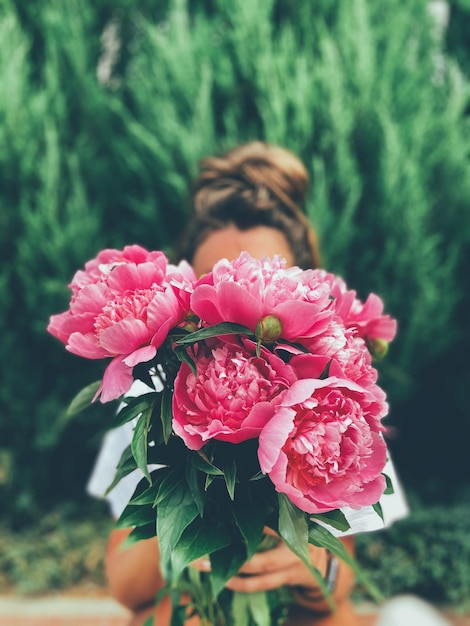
x,y
356,362
181,277
98,269
322,445
247,291
349,351
229,397
123,309
366,319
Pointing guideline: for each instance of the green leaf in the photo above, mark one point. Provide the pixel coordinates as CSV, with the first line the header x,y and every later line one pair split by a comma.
x,y
194,483
378,509
258,606
83,399
147,531
125,466
240,609
225,563
134,407
258,476
320,536
250,516
184,357
230,475
149,495
170,479
166,414
225,328
268,542
178,613
201,462
293,528
139,441
200,538
176,510
135,515
336,519
389,488
208,482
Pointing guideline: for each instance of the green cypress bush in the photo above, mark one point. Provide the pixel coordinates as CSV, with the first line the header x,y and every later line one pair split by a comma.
x,y
427,555
109,107
458,33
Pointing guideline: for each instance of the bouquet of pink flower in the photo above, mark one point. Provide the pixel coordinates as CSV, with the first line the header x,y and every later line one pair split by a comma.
x,y
263,407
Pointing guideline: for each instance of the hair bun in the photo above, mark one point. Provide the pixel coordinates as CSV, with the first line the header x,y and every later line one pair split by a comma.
x,y
261,173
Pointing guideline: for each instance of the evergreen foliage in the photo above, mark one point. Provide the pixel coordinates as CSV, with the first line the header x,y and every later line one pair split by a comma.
x,y
427,555
108,108
458,33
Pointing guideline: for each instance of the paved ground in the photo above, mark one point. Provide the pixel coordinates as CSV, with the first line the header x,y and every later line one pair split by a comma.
x,y
80,611
61,611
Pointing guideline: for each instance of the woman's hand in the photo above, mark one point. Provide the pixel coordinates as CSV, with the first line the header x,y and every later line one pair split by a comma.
x,y
273,568
279,566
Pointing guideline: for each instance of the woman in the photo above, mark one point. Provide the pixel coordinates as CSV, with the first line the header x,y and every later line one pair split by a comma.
x,y
250,200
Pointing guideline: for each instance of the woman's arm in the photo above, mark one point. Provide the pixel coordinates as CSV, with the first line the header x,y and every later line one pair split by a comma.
x,y
133,573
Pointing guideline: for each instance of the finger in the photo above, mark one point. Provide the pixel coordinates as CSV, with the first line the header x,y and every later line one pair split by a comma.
x,y
270,531
263,582
270,560
203,564
282,556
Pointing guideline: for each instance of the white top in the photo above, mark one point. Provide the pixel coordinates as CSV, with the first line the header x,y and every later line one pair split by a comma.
x,y
394,506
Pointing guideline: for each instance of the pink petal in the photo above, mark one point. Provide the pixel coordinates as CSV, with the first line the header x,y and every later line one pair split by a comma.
x,y
191,441
372,308
125,336
300,391
129,277
238,305
117,380
273,437
183,269
302,319
204,304
58,326
250,428
384,328
309,365
142,355
90,300
343,303
86,346
163,309
64,324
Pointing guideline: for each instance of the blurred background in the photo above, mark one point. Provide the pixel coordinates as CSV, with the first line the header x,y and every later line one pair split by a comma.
x,y
106,106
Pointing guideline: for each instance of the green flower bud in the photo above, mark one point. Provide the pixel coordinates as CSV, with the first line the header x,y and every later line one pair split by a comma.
x,y
191,323
191,327
268,329
378,348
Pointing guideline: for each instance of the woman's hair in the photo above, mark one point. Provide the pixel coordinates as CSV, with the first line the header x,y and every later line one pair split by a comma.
x,y
255,184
